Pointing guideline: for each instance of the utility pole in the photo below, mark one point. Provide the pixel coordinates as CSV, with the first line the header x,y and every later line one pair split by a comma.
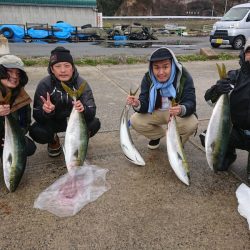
x,y
225,7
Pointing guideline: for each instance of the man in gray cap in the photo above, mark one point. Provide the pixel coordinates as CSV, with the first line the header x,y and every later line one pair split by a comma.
x,y
237,84
165,81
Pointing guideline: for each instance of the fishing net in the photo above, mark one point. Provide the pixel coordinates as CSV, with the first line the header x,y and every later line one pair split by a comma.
x,y
70,193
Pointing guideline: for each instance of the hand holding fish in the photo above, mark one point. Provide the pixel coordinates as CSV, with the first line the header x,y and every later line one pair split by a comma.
x,y
4,109
175,110
48,106
132,100
78,106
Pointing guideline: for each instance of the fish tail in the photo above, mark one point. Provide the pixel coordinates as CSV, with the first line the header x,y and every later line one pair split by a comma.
x,y
74,94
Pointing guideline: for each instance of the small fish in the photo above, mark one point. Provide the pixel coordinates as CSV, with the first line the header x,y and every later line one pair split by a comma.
x,y
77,135
176,155
126,141
14,153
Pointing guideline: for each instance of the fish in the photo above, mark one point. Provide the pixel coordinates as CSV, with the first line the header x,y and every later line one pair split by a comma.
x,y
126,142
14,153
176,154
77,135
219,129
218,133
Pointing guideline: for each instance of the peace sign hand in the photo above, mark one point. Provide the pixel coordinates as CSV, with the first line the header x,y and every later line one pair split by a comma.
x,y
48,106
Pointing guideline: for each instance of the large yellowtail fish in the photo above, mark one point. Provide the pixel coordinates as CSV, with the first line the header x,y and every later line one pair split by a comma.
x,y
176,154
77,136
219,129
14,153
126,142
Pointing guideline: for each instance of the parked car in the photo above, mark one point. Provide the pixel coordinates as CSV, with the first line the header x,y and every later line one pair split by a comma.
x,y
233,28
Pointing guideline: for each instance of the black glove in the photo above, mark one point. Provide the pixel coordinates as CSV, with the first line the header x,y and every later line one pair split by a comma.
x,y
223,86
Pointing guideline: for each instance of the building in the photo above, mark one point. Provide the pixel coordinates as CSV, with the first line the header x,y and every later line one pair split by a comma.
x,y
74,12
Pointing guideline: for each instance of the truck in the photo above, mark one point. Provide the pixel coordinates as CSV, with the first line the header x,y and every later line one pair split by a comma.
x,y
233,28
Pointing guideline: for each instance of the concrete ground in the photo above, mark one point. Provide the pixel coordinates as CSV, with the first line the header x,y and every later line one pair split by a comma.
x,y
146,207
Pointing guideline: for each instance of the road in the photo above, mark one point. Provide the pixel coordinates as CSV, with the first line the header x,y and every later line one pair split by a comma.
x,y
180,45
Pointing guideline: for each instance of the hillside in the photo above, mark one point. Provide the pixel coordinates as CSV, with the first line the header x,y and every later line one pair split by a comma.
x,y
178,7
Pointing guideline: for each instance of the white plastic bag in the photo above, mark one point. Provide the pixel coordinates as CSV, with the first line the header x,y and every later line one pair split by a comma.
x,y
67,195
243,196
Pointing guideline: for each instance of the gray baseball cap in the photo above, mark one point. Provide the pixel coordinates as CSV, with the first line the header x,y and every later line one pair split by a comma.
x,y
12,62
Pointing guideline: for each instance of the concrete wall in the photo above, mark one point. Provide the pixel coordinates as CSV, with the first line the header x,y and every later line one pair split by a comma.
x,y
75,16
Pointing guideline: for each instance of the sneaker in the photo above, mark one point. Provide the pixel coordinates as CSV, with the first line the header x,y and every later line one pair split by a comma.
x,y
153,144
228,162
54,148
202,137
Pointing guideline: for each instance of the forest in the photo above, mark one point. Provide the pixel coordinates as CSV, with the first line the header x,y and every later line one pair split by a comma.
x,y
162,7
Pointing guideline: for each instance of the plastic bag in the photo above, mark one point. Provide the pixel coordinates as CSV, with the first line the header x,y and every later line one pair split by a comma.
x,y
243,196
66,196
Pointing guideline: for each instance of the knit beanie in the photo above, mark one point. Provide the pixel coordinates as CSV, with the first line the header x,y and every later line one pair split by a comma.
x,y
160,55
60,54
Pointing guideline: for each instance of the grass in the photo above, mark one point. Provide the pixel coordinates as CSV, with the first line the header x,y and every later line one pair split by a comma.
x,y
116,60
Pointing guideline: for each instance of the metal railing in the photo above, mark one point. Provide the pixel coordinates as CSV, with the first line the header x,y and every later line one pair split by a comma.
x,y
161,17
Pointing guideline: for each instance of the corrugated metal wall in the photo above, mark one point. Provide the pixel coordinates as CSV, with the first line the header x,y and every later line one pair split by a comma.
x,y
88,3
11,14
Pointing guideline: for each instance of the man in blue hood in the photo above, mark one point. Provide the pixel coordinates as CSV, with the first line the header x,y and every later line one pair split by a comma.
x,y
165,83
237,84
52,104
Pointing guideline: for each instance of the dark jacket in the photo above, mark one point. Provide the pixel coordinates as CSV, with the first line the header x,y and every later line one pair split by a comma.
x,y
183,84
20,109
61,100
239,96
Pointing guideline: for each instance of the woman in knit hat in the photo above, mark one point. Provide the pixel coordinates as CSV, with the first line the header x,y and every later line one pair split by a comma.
x,y
53,105
13,79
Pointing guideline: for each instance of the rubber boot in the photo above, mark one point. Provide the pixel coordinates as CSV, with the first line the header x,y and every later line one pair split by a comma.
x,y
248,167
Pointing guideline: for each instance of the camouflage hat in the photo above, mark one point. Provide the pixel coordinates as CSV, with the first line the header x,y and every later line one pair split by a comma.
x,y
12,62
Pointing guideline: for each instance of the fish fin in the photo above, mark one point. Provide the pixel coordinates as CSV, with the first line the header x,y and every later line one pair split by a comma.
x,y
6,99
174,102
179,156
76,153
9,159
133,93
81,89
224,71
74,94
212,146
219,70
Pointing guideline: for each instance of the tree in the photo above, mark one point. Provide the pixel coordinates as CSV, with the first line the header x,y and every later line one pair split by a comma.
x,y
108,7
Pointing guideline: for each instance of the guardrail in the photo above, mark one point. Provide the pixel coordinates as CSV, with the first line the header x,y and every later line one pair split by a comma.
x,y
161,17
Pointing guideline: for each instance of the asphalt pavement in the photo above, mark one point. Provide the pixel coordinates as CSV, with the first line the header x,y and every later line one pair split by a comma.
x,y
147,207
179,44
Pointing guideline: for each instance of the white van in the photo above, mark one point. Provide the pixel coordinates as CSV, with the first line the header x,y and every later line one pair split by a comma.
x,y
233,28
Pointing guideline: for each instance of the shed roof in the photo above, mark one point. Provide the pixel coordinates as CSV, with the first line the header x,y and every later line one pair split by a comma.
x,y
78,3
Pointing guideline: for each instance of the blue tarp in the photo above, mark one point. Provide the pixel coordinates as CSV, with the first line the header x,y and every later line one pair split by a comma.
x,y
66,30
41,33
12,31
